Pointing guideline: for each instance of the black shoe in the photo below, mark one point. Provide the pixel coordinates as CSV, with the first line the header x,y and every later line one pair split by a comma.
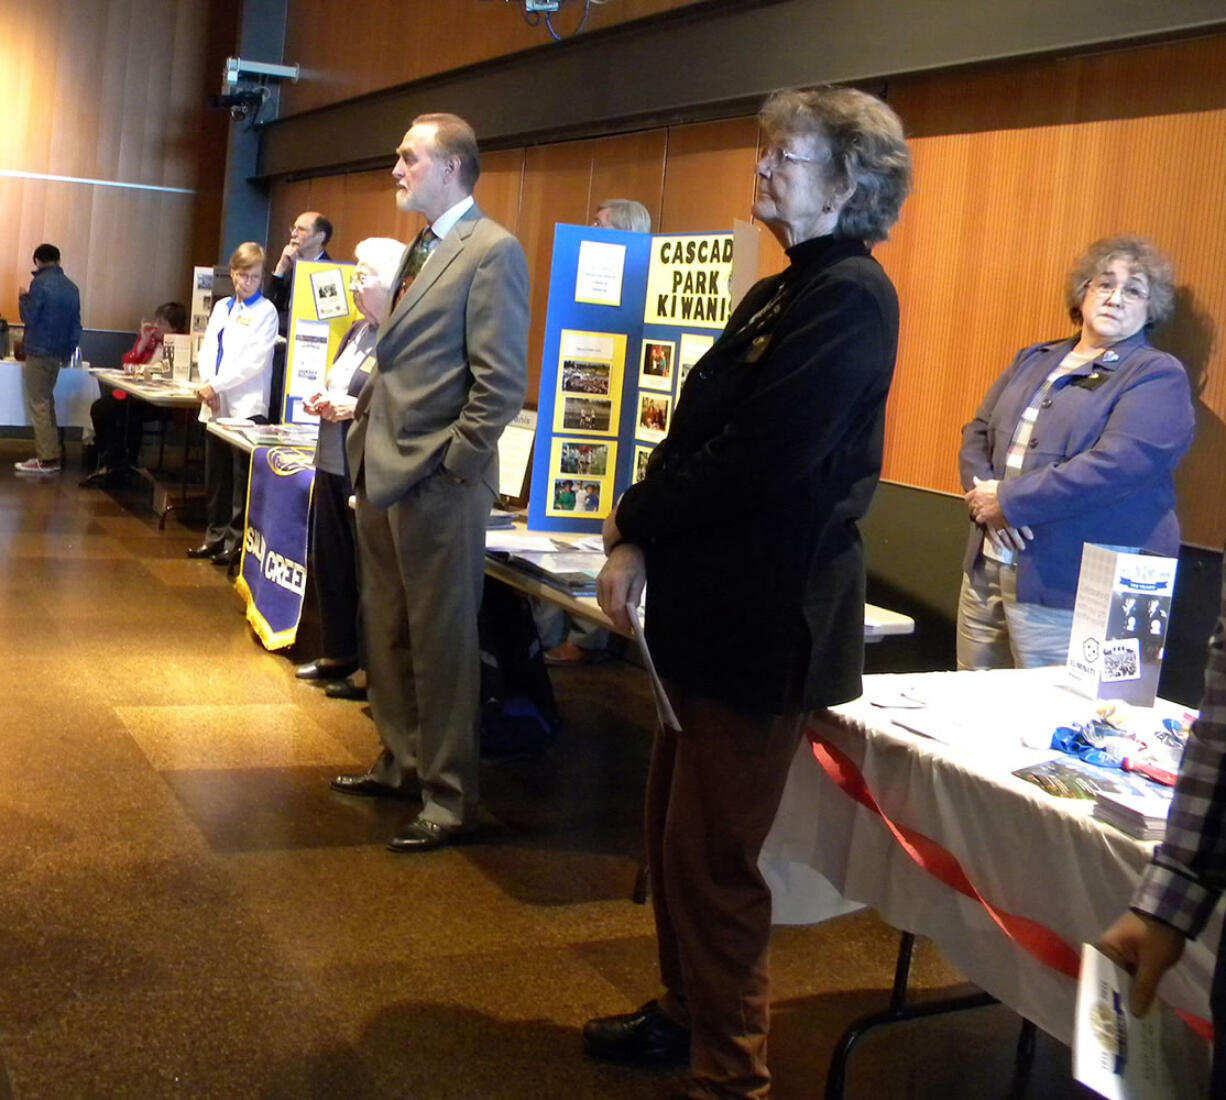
x,y
96,480
645,1037
205,550
227,557
368,787
345,689
326,668
426,836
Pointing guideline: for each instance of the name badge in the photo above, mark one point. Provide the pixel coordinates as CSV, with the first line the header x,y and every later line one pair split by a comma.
x,y
243,320
368,364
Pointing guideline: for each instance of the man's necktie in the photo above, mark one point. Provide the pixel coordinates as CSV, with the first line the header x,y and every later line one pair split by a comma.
x,y
419,252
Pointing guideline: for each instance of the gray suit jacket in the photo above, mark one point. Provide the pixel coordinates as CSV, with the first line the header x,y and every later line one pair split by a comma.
x,y
452,367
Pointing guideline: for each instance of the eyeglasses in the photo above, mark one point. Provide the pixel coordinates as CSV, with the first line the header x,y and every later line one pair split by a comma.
x,y
774,158
1132,293
245,276
360,279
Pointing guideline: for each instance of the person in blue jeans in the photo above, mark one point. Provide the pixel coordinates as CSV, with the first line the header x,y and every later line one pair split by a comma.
x,y
51,312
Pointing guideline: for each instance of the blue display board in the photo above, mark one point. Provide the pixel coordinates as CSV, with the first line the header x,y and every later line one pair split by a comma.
x,y
629,314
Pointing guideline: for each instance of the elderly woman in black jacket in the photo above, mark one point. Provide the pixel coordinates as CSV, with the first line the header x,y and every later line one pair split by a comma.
x,y
745,525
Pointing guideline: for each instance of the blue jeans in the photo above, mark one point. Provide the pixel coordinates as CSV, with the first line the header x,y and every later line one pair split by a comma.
x,y
995,631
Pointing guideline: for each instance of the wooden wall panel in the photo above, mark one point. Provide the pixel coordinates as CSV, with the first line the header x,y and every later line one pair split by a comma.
x,y
112,91
390,42
1004,202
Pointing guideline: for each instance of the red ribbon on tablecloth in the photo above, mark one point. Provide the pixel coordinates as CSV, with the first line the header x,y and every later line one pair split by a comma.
x,y
1038,941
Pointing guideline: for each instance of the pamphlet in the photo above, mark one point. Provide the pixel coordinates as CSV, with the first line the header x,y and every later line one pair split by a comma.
x,y
664,709
1068,777
1123,1057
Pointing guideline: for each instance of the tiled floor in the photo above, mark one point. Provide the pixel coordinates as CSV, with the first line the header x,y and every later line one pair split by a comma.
x,y
186,910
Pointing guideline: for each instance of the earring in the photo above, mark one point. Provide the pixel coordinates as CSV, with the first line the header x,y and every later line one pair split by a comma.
x,y
827,208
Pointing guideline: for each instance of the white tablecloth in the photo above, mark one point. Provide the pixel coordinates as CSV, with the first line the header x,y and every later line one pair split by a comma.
x,y
1026,853
75,391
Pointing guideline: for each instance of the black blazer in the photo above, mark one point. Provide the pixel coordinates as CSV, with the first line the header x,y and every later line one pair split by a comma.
x,y
748,511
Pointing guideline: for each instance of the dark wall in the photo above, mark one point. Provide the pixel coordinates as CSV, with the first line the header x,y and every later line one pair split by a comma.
x,y
914,539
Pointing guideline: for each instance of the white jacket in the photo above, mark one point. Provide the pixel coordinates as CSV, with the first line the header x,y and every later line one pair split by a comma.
x,y
247,332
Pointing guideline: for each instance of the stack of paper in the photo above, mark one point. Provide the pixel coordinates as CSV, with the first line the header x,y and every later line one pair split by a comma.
x,y
1142,816
573,570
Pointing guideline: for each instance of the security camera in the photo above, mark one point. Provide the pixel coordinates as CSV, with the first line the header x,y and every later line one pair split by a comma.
x,y
241,104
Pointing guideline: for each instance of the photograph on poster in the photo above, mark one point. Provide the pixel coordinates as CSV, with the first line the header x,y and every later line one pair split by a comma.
x,y
328,289
581,377
575,497
204,279
587,414
656,367
584,458
693,348
652,421
641,455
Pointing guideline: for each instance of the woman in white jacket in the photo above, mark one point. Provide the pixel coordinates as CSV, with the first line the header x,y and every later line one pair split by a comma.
x,y
235,376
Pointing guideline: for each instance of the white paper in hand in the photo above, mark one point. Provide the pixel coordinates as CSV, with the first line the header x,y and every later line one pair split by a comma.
x,y
664,709
1122,1057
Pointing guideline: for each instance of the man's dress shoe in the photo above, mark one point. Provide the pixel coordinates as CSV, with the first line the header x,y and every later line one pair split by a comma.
x,y
425,836
368,786
205,550
326,668
645,1037
227,557
345,689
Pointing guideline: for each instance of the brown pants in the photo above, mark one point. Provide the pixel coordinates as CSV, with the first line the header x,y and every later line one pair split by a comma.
x,y
712,793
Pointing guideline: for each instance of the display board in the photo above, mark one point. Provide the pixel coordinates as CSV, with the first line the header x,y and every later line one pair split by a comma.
x,y
629,315
321,312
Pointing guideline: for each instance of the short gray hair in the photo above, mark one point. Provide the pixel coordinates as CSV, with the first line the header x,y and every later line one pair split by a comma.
x,y
627,214
1142,256
382,255
868,151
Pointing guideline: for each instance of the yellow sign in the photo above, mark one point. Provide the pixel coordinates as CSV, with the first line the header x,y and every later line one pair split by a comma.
x,y
689,281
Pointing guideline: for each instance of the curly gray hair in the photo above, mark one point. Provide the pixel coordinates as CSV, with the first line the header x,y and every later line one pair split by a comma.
x,y
1142,257
868,152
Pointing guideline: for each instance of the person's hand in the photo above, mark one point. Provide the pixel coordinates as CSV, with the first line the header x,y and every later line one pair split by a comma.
x,y
311,405
983,504
289,254
208,396
621,582
610,532
1147,949
341,408
1010,538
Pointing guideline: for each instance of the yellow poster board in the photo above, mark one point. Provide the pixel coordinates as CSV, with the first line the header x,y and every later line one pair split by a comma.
x,y
321,312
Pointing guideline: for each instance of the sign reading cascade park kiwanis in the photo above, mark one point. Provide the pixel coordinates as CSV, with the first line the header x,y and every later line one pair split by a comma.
x,y
629,315
272,578
689,281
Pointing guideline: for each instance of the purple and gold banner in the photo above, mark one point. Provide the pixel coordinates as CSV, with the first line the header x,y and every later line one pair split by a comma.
x,y
272,578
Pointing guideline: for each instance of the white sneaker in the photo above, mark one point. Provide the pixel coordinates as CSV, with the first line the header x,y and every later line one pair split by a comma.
x,y
36,466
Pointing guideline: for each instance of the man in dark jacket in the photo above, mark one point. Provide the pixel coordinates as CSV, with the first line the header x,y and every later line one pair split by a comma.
x,y
51,313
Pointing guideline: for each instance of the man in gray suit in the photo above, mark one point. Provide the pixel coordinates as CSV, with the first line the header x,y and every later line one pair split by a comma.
x,y
452,368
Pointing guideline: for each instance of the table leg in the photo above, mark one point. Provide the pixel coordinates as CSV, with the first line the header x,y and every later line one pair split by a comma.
x,y
897,1011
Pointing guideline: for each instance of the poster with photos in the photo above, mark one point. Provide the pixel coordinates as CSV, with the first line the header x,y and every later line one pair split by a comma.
x,y
654,410
656,365
613,356
591,366
580,477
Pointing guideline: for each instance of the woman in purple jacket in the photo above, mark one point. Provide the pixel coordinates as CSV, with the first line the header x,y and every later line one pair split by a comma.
x,y
1076,442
